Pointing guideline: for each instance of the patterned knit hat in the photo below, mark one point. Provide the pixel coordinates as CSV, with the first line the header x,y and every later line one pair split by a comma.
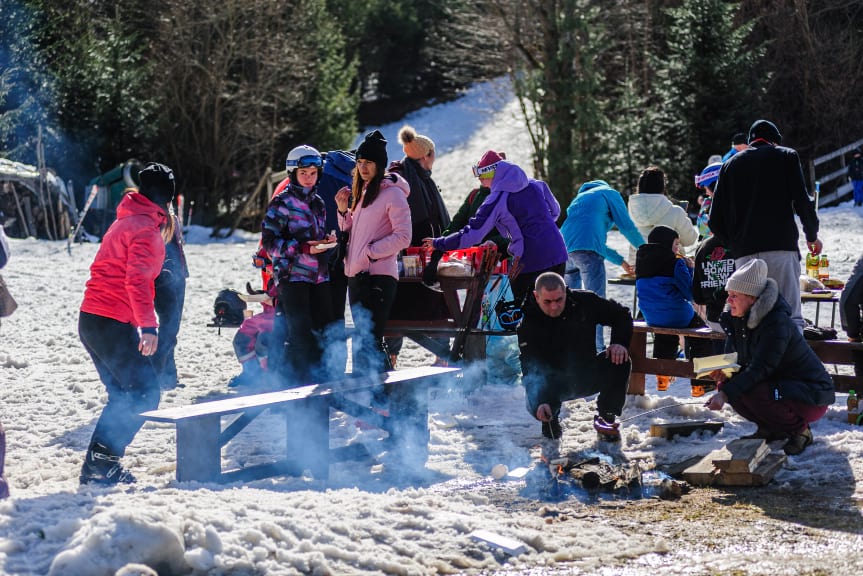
x,y
487,164
708,176
751,278
415,145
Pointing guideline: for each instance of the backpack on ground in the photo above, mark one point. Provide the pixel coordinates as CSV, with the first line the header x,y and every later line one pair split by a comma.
x,y
228,308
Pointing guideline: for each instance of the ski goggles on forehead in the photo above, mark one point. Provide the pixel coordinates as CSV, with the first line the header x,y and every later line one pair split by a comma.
x,y
310,161
487,171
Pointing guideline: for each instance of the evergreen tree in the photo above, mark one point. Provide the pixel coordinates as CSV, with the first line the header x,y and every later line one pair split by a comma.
x,y
559,84
105,103
26,90
628,138
708,87
334,95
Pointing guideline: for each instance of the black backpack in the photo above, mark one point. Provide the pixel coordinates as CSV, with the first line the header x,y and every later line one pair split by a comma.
x,y
337,173
228,308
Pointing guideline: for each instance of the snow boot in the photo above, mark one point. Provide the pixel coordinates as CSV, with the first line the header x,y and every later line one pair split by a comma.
x,y
662,382
606,428
798,443
102,467
702,387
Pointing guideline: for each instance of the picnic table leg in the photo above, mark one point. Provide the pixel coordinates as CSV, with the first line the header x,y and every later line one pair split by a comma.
x,y
199,453
637,349
308,435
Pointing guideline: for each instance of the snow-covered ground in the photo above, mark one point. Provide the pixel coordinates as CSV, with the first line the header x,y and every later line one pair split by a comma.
x,y
366,519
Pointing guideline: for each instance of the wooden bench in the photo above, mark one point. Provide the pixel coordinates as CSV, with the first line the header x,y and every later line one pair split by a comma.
x,y
306,413
829,351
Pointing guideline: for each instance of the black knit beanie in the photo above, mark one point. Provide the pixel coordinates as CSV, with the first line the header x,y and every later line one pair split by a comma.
x,y
765,129
374,148
663,235
157,183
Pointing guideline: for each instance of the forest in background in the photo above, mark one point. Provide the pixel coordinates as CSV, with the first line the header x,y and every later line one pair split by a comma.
x,y
220,90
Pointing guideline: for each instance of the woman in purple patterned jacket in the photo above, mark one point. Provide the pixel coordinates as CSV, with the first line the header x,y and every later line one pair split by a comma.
x,y
294,234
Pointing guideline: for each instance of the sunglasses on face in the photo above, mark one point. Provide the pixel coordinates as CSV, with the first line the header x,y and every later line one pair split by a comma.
x,y
310,161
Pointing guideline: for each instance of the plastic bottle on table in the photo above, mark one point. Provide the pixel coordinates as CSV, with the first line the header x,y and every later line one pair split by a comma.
x,y
812,265
823,268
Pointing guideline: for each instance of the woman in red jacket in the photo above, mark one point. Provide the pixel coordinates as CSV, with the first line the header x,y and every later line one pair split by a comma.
x,y
117,324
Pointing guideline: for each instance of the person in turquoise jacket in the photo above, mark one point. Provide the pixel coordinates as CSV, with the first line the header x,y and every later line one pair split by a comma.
x,y
591,214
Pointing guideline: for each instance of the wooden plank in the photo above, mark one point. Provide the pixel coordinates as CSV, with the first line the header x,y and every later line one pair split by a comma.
x,y
667,367
272,399
741,455
199,454
706,332
307,427
637,351
758,477
703,472
845,382
670,429
408,420
238,425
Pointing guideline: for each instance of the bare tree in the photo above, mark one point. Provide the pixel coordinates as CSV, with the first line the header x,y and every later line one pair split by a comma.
x,y
240,83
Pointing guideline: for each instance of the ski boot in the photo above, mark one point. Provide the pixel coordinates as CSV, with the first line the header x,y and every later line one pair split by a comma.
x,y
102,467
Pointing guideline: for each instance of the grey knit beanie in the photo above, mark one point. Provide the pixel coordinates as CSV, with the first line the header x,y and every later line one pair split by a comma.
x,y
751,278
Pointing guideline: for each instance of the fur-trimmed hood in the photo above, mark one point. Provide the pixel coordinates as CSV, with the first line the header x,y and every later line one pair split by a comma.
x,y
763,304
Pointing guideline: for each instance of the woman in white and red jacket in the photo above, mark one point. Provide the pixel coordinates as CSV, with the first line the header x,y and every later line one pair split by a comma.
x,y
376,215
117,324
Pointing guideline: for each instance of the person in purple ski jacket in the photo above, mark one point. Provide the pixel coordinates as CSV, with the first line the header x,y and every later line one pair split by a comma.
x,y
523,210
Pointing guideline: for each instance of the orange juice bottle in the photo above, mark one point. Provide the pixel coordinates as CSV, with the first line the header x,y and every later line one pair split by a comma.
x,y
823,268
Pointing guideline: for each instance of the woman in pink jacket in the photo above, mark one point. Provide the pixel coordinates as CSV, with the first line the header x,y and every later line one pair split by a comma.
x,y
117,324
376,215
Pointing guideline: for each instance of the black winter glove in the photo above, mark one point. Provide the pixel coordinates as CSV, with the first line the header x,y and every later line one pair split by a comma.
x,y
430,271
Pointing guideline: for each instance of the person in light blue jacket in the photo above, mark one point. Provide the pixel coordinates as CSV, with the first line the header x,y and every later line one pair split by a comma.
x,y
591,214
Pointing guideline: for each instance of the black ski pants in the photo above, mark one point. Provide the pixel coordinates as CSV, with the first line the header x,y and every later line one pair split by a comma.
x,y
129,378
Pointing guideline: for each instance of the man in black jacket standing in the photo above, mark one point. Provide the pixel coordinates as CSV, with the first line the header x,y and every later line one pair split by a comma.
x,y
559,362
757,195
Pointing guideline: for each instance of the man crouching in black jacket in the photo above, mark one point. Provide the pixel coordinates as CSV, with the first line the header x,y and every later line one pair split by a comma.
x,y
557,342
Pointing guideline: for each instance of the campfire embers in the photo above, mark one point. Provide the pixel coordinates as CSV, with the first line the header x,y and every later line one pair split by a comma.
x,y
590,477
